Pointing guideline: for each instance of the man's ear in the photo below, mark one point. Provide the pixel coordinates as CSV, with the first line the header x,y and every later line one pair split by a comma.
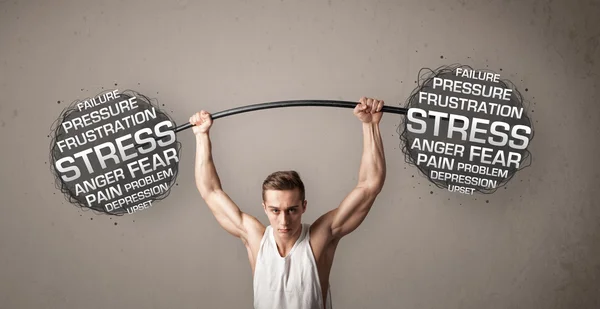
x,y
304,206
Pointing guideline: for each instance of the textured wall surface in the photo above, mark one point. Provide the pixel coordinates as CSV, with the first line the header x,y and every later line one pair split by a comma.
x,y
535,244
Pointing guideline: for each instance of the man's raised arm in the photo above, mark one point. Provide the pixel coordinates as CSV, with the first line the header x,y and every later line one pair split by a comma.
x,y
227,213
371,177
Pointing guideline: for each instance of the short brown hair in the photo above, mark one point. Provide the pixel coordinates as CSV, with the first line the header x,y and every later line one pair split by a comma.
x,y
283,180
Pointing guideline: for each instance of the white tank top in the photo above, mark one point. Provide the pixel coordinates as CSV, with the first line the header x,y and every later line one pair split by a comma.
x,y
290,282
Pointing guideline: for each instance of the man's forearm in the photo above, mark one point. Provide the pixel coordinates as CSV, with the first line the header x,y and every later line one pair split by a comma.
x,y
372,166
207,179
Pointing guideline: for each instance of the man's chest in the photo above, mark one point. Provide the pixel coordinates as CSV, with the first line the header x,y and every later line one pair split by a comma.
x,y
322,254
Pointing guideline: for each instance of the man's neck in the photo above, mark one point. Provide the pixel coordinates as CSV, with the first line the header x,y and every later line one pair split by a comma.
x,y
284,246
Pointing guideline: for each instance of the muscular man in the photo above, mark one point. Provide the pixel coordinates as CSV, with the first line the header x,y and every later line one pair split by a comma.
x,y
291,260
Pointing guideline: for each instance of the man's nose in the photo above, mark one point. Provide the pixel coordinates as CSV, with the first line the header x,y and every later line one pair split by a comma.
x,y
285,218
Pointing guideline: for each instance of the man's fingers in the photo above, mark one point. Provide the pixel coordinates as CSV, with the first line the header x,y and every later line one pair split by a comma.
x,y
358,108
196,119
205,116
379,106
367,105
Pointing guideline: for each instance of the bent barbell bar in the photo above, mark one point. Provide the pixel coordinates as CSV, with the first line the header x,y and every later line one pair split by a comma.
x,y
278,104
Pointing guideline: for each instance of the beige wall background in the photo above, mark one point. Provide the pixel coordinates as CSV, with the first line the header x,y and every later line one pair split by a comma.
x,y
535,244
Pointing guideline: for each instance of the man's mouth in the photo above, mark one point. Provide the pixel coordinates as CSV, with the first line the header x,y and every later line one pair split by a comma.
x,y
284,230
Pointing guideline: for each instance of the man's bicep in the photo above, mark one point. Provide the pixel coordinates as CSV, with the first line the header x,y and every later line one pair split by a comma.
x,y
229,215
352,211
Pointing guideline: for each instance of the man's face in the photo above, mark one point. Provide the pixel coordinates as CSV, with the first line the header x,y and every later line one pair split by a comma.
x,y
284,209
